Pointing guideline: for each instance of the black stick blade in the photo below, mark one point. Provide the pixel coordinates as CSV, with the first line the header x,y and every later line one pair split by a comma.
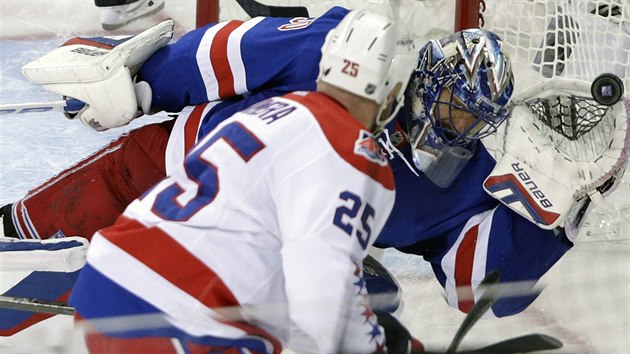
x,y
254,9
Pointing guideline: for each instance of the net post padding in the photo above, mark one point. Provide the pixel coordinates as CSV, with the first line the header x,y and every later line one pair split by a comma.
x,y
469,14
207,12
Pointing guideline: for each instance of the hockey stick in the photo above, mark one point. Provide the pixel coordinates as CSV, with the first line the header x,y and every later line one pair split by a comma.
x,y
68,105
524,344
35,305
254,9
489,296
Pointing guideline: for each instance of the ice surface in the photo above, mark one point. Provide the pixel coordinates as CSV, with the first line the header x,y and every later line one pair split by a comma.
x,y
586,303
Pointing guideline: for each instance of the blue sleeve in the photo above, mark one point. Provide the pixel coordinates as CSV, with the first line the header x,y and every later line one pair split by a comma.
x,y
499,240
465,234
234,58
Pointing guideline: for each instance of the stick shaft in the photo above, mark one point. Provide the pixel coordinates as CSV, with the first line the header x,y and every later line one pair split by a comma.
x,y
32,107
33,305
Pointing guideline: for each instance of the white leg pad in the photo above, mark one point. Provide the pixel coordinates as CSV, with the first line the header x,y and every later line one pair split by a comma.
x,y
67,254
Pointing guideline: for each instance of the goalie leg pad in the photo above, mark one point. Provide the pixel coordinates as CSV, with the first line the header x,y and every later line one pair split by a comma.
x,y
52,255
99,71
52,286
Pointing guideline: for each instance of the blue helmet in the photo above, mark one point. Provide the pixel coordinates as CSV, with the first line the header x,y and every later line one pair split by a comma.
x,y
465,74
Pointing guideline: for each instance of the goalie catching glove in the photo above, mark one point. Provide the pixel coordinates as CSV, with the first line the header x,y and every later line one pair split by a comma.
x,y
99,72
562,153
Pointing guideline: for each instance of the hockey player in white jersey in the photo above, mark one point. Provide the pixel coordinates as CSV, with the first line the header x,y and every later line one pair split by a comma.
x,y
283,248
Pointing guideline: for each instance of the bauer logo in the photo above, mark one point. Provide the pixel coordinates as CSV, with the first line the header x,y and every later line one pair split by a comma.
x,y
533,188
518,187
367,147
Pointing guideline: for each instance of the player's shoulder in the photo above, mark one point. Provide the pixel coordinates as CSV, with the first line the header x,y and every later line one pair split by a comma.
x,y
296,26
348,138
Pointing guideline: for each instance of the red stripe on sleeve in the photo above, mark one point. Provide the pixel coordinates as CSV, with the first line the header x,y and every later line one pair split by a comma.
x,y
191,127
464,261
220,62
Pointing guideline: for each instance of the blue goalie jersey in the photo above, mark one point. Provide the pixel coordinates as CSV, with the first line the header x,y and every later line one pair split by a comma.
x,y
214,71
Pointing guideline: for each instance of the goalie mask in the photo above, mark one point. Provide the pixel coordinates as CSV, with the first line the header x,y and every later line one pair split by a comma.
x,y
457,95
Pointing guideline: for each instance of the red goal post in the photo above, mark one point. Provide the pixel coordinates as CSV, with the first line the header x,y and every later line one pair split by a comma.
x,y
467,12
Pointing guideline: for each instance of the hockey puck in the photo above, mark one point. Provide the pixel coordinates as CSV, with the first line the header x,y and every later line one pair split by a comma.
x,y
607,89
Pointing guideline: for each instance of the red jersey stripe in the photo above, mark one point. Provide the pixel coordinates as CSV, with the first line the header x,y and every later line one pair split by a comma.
x,y
179,267
219,57
191,127
144,244
464,261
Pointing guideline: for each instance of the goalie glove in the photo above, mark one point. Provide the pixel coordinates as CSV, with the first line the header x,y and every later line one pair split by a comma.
x,y
99,71
561,151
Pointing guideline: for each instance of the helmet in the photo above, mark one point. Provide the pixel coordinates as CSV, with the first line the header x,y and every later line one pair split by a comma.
x,y
467,74
369,55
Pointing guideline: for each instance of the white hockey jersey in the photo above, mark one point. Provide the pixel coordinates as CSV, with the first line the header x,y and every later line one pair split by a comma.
x,y
269,217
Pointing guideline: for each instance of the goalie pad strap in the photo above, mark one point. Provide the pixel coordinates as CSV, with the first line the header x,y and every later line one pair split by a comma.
x,y
51,255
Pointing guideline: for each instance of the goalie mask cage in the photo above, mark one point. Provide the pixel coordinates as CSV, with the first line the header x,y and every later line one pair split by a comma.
x,y
588,299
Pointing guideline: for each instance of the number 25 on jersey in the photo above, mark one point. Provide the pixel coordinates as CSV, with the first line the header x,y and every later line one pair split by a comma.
x,y
354,217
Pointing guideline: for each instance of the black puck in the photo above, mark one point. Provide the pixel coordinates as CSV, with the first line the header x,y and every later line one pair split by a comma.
x,y
607,89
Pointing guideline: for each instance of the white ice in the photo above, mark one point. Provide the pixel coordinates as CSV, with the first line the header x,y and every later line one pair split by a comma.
x,y
586,303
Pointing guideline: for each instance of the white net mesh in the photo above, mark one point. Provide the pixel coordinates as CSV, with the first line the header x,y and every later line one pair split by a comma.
x,y
577,39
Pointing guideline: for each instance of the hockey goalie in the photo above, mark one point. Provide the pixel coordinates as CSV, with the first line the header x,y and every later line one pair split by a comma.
x,y
562,153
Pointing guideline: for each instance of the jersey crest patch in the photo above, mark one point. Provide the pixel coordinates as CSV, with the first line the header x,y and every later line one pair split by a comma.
x,y
296,24
367,147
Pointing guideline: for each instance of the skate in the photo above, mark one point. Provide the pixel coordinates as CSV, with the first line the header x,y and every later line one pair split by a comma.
x,y
114,17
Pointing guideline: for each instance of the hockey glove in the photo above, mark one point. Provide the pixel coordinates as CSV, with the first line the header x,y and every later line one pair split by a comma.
x,y
561,151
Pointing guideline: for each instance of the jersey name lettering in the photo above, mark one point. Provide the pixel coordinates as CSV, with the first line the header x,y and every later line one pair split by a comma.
x,y
270,111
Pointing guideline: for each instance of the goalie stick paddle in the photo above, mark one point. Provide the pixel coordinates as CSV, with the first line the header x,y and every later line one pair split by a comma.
x,y
254,9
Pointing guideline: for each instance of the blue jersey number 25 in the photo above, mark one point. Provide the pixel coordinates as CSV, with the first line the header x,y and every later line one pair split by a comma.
x,y
345,217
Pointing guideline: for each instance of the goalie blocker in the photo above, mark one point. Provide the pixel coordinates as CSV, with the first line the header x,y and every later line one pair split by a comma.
x,y
99,72
562,152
